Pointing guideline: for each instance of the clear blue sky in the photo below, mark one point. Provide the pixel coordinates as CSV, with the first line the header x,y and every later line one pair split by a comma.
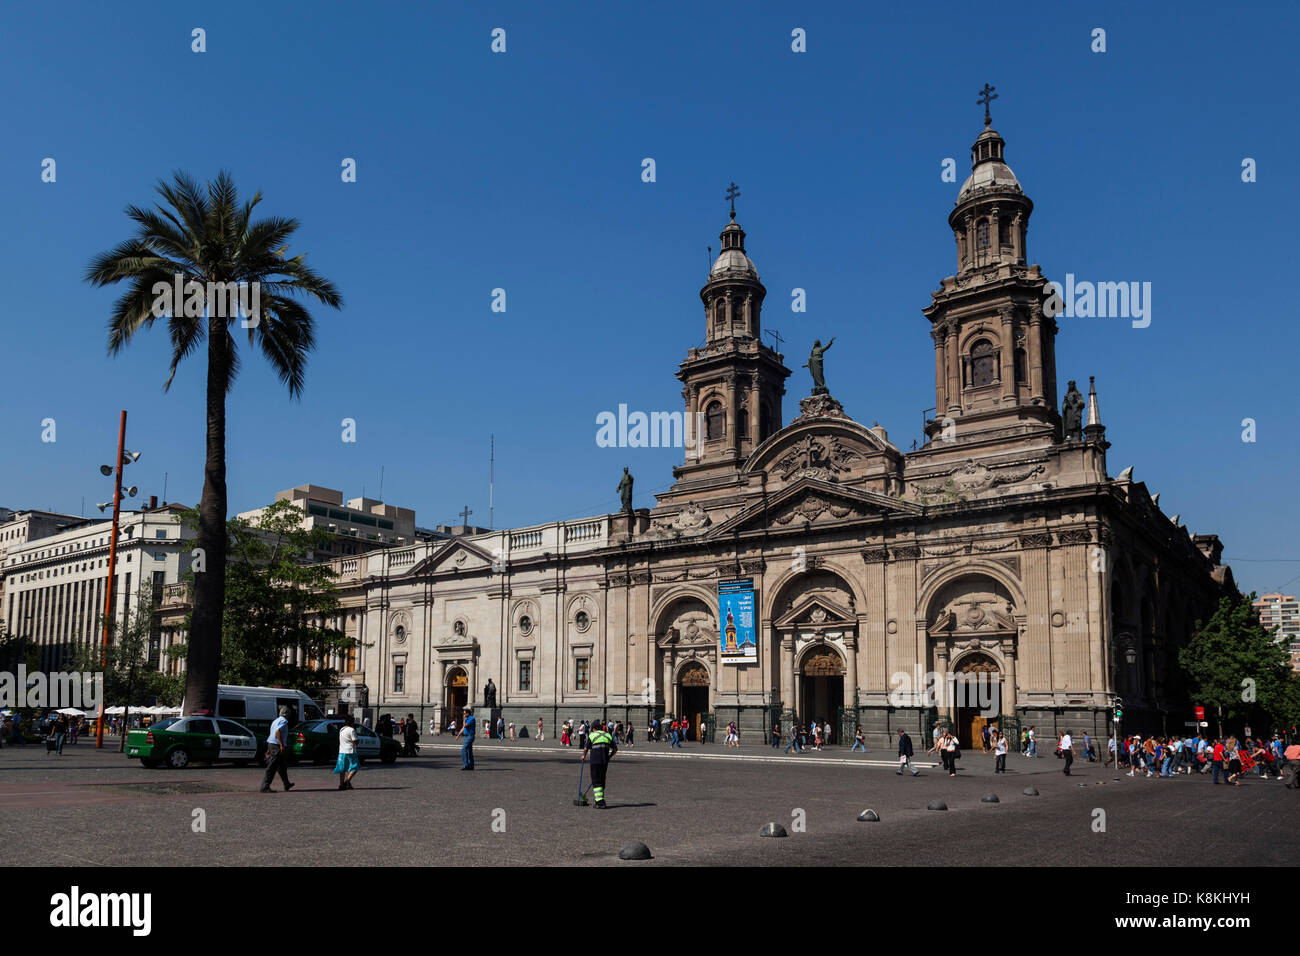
x,y
522,171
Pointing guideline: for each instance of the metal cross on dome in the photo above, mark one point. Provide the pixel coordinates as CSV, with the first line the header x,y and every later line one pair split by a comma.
x,y
986,96
732,193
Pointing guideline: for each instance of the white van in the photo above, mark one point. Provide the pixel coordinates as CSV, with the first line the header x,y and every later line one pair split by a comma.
x,y
256,707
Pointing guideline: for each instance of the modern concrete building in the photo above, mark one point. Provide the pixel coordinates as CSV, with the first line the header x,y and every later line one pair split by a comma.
x,y
362,524
19,527
1281,612
55,585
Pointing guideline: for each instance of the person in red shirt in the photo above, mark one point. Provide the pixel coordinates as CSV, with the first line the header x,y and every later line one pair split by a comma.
x,y
1216,759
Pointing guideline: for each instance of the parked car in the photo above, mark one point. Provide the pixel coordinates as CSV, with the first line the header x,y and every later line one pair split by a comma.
x,y
318,741
180,741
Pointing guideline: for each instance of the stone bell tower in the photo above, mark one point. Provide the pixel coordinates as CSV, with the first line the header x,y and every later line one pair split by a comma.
x,y
733,384
994,348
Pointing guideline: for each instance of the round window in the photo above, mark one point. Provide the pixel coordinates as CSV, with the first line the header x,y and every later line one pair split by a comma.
x,y
526,624
582,620
400,635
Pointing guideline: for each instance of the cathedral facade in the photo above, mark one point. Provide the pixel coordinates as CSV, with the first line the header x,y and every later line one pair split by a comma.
x,y
815,571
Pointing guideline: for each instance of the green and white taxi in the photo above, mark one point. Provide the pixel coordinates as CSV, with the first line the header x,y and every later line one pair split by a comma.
x,y
179,741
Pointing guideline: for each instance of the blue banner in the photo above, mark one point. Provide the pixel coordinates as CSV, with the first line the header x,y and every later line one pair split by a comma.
x,y
738,641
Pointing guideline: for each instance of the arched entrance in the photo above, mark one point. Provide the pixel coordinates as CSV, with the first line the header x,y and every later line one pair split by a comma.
x,y
457,697
821,687
693,696
977,696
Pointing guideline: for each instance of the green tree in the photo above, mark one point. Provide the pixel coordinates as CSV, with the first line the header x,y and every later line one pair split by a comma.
x,y
204,235
1236,669
280,600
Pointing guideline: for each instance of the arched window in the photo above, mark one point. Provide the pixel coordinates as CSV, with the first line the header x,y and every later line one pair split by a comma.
x,y
982,234
764,421
1022,374
983,363
720,314
713,421
1004,232
742,422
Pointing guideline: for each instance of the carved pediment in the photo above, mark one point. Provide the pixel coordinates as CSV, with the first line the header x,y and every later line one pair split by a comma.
x,y
832,451
813,501
973,477
817,613
974,617
454,556
690,520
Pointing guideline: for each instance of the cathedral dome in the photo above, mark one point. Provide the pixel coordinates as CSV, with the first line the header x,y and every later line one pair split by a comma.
x,y
733,262
988,169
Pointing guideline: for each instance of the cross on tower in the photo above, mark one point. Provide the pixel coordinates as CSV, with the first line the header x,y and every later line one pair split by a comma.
x,y
732,193
986,96
464,514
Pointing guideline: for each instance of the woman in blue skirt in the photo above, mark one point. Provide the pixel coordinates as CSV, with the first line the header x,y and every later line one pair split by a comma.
x,y
347,764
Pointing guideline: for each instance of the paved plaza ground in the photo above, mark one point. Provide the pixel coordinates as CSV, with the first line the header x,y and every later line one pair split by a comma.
x,y
698,805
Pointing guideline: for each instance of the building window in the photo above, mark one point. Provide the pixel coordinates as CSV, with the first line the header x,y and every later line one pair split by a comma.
x,y
713,421
983,363
583,672
742,422
720,314
399,635
399,679
525,625
1021,374
525,675
982,235
582,620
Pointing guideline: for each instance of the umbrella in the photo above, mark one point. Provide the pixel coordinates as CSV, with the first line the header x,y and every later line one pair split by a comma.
x,y
115,710
72,712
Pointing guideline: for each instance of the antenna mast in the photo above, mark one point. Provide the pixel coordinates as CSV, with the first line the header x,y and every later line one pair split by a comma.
x,y
492,473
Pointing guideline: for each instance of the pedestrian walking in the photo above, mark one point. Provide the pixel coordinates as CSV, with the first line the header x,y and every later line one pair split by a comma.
x,y
433,726
1067,751
776,736
60,731
859,740
602,748
467,734
348,762
1031,743
539,736
794,740
410,737
277,752
501,728
512,731
999,752
905,754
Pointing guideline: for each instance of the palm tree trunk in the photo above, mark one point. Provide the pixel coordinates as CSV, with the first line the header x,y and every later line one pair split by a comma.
x,y
203,660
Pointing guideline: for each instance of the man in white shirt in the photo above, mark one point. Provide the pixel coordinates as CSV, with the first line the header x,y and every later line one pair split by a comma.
x,y
277,752
1067,750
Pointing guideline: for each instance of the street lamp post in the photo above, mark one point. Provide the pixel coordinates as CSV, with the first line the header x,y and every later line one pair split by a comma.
x,y
122,460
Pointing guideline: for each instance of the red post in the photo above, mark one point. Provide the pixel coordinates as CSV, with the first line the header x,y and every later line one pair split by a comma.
x,y
112,561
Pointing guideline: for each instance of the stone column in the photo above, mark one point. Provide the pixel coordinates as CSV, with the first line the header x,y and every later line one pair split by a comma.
x,y
995,243
960,238
940,392
941,670
754,436
954,380
1008,354
1035,357
731,444
971,249
787,671
1009,678
668,679
851,668
1017,247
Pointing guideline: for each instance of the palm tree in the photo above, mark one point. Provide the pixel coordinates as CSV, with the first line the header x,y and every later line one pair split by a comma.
x,y
203,234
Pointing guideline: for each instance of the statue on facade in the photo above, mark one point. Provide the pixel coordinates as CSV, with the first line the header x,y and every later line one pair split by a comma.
x,y
1072,414
490,695
625,491
814,365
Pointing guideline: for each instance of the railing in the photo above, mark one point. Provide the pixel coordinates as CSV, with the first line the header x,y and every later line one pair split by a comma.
x,y
525,540
401,559
587,531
